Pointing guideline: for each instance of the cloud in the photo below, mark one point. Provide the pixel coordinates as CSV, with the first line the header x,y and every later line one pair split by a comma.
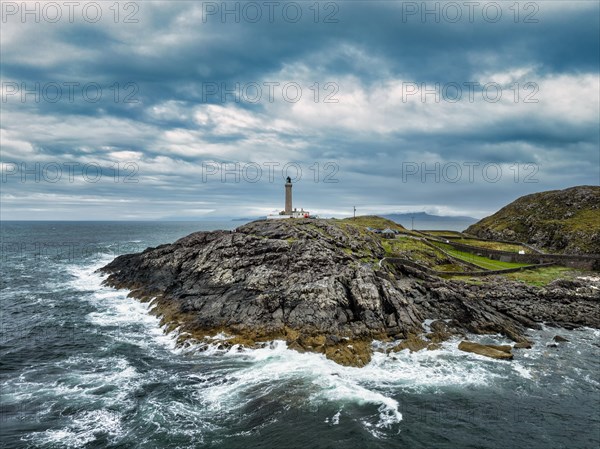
x,y
359,120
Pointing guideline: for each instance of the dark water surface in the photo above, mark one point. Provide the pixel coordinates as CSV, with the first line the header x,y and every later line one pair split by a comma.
x,y
83,366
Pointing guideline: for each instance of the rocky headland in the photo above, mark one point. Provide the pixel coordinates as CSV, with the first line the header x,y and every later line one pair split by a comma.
x,y
558,221
324,286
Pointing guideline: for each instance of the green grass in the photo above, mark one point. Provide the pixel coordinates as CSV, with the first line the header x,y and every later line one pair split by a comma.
x,y
480,261
569,218
495,245
543,276
418,251
400,246
466,278
539,277
439,233
363,222
585,220
373,221
449,267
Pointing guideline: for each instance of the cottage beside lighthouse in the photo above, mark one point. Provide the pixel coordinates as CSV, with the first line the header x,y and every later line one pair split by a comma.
x,y
289,211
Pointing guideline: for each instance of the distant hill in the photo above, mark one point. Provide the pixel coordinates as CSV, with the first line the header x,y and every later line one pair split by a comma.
x,y
423,220
565,221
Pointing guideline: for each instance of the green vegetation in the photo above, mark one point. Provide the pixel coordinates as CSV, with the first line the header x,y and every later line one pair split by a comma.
x,y
414,247
420,252
441,233
373,221
449,267
466,278
480,261
498,246
585,220
407,246
543,276
488,244
560,221
539,277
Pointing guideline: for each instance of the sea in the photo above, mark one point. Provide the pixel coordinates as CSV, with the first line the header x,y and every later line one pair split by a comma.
x,y
84,366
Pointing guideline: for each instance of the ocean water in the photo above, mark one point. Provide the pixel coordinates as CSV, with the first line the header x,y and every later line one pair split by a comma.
x,y
83,366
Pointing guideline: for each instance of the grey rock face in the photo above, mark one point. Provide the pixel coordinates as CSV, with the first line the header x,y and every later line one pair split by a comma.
x,y
296,278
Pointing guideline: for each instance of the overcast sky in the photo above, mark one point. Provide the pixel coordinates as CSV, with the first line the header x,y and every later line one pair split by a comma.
x,y
204,107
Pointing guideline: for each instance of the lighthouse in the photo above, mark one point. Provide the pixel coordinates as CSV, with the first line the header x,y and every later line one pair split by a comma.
x,y
289,211
288,196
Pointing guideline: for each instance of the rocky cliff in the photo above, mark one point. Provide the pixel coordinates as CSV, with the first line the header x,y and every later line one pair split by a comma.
x,y
561,221
321,286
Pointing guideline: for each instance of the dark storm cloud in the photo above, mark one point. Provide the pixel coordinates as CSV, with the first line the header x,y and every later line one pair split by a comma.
x,y
166,61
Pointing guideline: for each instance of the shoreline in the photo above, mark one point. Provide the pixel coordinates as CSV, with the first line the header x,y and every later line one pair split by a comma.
x,y
247,285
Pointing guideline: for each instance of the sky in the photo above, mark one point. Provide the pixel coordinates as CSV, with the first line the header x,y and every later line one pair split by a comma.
x,y
199,110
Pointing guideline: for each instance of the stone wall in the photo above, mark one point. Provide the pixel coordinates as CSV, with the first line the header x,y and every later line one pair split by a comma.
x,y
399,261
586,262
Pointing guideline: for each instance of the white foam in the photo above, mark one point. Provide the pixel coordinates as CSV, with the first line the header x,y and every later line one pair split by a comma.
x,y
522,371
326,382
221,336
230,386
79,385
115,309
83,429
335,419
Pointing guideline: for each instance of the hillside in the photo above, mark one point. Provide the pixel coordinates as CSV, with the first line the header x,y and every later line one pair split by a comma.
x,y
562,221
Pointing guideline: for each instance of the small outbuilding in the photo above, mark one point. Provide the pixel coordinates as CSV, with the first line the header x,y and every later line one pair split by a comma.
x,y
388,233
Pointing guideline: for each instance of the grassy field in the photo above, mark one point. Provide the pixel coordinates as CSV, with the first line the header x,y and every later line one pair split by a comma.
x,y
515,248
438,233
543,276
371,221
480,261
420,252
512,247
540,277
449,267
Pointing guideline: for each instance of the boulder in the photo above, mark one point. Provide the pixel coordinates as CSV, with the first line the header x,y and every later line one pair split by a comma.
x,y
412,343
486,350
523,345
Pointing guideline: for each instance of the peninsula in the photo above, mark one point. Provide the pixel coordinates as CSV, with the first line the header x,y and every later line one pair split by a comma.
x,y
333,286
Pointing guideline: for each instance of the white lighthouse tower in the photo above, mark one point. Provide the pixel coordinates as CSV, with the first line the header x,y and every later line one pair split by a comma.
x,y
288,196
289,211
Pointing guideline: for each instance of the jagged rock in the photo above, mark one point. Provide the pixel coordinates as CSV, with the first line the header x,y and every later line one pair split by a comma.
x,y
442,331
303,281
492,351
412,343
559,339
